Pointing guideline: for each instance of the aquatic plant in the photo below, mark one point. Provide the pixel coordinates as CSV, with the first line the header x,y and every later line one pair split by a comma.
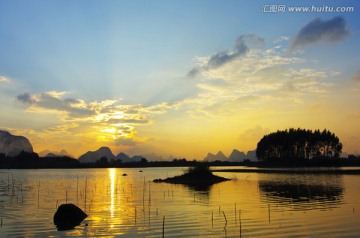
x,y
200,174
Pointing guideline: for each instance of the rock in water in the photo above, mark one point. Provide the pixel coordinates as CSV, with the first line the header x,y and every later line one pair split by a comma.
x,y
68,216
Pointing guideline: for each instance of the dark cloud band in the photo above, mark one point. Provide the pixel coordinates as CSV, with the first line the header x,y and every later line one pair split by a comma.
x,y
319,31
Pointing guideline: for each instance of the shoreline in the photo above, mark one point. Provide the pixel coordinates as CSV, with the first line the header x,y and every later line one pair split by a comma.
x,y
293,170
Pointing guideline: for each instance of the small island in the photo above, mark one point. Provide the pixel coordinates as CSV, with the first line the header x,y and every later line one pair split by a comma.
x,y
200,174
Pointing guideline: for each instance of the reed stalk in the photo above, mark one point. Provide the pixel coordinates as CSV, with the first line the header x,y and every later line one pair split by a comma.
x,y
144,187
240,221
39,192
212,219
143,200
163,227
225,223
235,216
77,188
225,220
85,192
149,194
12,185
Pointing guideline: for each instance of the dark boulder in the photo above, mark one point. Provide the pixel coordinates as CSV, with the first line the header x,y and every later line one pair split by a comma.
x,y
68,216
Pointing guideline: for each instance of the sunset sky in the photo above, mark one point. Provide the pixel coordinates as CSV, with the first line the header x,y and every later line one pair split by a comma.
x,y
176,77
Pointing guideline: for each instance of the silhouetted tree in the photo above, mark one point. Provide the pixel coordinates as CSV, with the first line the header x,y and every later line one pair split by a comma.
x,y
102,162
298,144
25,160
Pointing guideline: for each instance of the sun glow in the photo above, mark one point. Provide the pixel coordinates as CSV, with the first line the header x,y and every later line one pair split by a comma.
x,y
118,115
109,130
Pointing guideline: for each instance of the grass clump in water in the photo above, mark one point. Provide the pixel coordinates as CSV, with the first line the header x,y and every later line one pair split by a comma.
x,y
198,174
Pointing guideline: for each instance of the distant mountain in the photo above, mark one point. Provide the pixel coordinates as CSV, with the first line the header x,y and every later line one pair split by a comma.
x,y
251,155
235,156
238,156
136,158
126,159
12,145
154,157
93,156
48,153
122,156
219,156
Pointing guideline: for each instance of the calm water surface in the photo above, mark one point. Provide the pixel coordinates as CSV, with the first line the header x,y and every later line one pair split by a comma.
x,y
251,205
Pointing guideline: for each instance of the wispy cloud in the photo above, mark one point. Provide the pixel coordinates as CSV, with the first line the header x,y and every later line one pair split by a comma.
x,y
281,39
53,101
26,98
319,31
254,134
4,79
242,45
62,128
108,120
125,142
356,77
256,79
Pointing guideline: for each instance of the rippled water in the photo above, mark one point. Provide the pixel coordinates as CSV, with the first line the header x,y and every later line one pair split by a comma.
x,y
251,205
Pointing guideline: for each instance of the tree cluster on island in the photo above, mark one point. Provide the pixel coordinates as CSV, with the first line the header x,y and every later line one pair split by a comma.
x,y
299,145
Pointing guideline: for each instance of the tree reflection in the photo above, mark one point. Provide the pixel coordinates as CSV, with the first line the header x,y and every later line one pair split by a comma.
x,y
303,192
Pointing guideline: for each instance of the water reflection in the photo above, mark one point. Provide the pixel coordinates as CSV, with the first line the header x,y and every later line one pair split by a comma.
x,y
303,192
120,206
112,175
202,188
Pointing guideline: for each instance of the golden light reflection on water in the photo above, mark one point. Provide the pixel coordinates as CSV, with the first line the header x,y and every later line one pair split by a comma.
x,y
112,175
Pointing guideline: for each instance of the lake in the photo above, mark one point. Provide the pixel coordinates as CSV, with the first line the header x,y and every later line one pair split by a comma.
x,y
250,205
